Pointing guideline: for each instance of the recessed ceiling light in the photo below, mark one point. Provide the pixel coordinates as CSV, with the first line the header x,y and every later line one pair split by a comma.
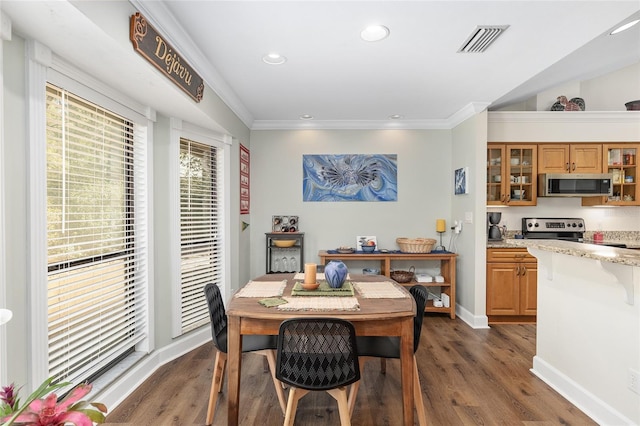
x,y
374,33
274,59
624,27
306,117
396,117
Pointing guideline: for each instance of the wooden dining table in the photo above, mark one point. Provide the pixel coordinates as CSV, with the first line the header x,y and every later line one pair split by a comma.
x,y
373,317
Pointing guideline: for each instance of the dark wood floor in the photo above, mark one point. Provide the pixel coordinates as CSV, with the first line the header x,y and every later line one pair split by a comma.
x,y
469,377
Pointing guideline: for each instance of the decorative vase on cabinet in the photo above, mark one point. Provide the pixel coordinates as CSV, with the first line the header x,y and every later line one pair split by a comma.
x,y
335,272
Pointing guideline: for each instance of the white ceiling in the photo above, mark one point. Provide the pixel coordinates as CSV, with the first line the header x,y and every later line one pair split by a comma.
x,y
344,82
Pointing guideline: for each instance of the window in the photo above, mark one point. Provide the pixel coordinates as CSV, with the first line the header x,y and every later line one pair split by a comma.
x,y
96,266
201,249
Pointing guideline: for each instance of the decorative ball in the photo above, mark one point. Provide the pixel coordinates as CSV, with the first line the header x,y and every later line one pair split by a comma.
x,y
335,272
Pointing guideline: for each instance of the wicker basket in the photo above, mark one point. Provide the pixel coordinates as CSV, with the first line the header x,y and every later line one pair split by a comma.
x,y
403,276
415,245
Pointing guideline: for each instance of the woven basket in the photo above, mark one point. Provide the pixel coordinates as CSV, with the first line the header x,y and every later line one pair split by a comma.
x,y
415,245
403,276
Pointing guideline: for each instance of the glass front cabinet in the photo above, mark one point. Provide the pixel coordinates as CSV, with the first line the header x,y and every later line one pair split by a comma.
x,y
285,252
511,175
621,160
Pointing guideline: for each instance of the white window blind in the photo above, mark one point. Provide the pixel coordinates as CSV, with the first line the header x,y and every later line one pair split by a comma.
x,y
200,229
96,262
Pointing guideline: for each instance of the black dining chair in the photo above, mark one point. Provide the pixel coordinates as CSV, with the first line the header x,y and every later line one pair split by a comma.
x,y
317,354
383,347
265,345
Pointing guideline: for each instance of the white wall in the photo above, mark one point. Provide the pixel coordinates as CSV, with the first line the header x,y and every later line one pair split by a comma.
x,y
588,334
469,147
425,186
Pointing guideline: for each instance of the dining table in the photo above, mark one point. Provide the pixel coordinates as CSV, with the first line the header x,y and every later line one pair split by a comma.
x,y
377,306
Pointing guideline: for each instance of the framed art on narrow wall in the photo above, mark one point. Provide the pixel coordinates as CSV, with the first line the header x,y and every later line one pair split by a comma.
x,y
244,180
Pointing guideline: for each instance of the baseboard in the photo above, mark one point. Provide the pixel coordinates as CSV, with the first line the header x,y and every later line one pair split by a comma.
x,y
474,321
585,401
114,393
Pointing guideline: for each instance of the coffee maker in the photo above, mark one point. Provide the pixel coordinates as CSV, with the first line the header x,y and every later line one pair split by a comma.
x,y
494,231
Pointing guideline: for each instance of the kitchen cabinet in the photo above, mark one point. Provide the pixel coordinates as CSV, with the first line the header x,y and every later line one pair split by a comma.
x,y
512,276
285,252
621,160
447,271
512,174
570,158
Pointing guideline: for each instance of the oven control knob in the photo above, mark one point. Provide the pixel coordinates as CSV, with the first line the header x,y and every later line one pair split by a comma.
x,y
580,225
529,225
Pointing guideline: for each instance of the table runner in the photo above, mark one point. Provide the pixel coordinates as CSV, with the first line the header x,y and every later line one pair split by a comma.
x,y
323,290
319,304
262,289
379,290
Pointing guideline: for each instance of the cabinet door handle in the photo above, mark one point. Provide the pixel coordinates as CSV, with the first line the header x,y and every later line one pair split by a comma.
x,y
573,166
524,271
566,167
517,270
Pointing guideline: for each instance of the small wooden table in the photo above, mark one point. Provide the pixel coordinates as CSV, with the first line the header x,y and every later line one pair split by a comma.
x,y
376,317
447,270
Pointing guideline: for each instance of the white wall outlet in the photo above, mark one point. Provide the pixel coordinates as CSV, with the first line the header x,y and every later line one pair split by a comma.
x,y
468,217
634,380
457,226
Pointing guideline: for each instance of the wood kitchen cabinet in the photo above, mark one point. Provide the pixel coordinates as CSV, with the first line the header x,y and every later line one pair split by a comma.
x,y
570,158
512,276
621,160
511,174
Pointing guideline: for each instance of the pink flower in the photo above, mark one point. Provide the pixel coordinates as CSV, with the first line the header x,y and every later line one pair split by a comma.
x,y
8,395
47,412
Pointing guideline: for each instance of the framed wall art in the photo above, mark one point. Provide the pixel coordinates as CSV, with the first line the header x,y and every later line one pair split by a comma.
x,y
244,180
461,181
350,177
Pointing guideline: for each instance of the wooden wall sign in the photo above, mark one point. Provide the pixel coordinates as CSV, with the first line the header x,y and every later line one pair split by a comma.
x,y
152,46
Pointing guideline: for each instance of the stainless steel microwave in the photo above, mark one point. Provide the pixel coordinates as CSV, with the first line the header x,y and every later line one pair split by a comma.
x,y
575,185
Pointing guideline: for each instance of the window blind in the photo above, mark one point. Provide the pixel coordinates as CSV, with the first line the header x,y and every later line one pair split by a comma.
x,y
200,229
96,265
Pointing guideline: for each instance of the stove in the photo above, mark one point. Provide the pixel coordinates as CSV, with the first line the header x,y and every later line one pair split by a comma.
x,y
548,228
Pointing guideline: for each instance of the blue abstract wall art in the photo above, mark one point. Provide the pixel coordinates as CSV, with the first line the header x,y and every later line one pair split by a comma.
x,y
350,177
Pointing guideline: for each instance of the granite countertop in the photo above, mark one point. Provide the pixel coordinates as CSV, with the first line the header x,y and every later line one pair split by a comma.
x,y
591,251
629,238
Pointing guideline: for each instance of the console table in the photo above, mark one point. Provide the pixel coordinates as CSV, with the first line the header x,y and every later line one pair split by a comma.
x,y
447,270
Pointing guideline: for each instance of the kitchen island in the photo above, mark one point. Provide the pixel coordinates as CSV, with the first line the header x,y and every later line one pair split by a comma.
x,y
588,326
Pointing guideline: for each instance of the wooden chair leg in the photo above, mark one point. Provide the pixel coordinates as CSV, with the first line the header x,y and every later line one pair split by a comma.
x,y
417,395
353,389
292,404
216,385
340,395
271,360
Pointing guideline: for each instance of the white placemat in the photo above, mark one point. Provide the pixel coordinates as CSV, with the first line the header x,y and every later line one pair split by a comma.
x,y
379,290
319,276
319,304
262,289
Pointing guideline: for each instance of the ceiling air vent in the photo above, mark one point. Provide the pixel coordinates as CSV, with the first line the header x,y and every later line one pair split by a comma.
x,y
481,38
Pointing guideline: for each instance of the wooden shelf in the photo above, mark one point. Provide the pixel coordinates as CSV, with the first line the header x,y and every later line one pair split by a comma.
x,y
447,270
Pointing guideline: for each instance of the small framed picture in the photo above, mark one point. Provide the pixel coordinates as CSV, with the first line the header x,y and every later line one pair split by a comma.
x,y
461,181
364,239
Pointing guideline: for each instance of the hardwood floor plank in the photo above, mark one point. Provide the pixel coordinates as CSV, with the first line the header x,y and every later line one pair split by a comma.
x,y
468,377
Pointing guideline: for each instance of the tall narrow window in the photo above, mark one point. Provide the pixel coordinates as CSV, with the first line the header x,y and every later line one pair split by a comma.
x,y
96,271
200,229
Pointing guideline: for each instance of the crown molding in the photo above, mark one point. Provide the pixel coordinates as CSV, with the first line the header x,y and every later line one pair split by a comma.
x,y
623,117
349,124
463,114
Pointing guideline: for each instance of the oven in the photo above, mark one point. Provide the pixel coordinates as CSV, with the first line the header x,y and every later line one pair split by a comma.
x,y
546,228
565,229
